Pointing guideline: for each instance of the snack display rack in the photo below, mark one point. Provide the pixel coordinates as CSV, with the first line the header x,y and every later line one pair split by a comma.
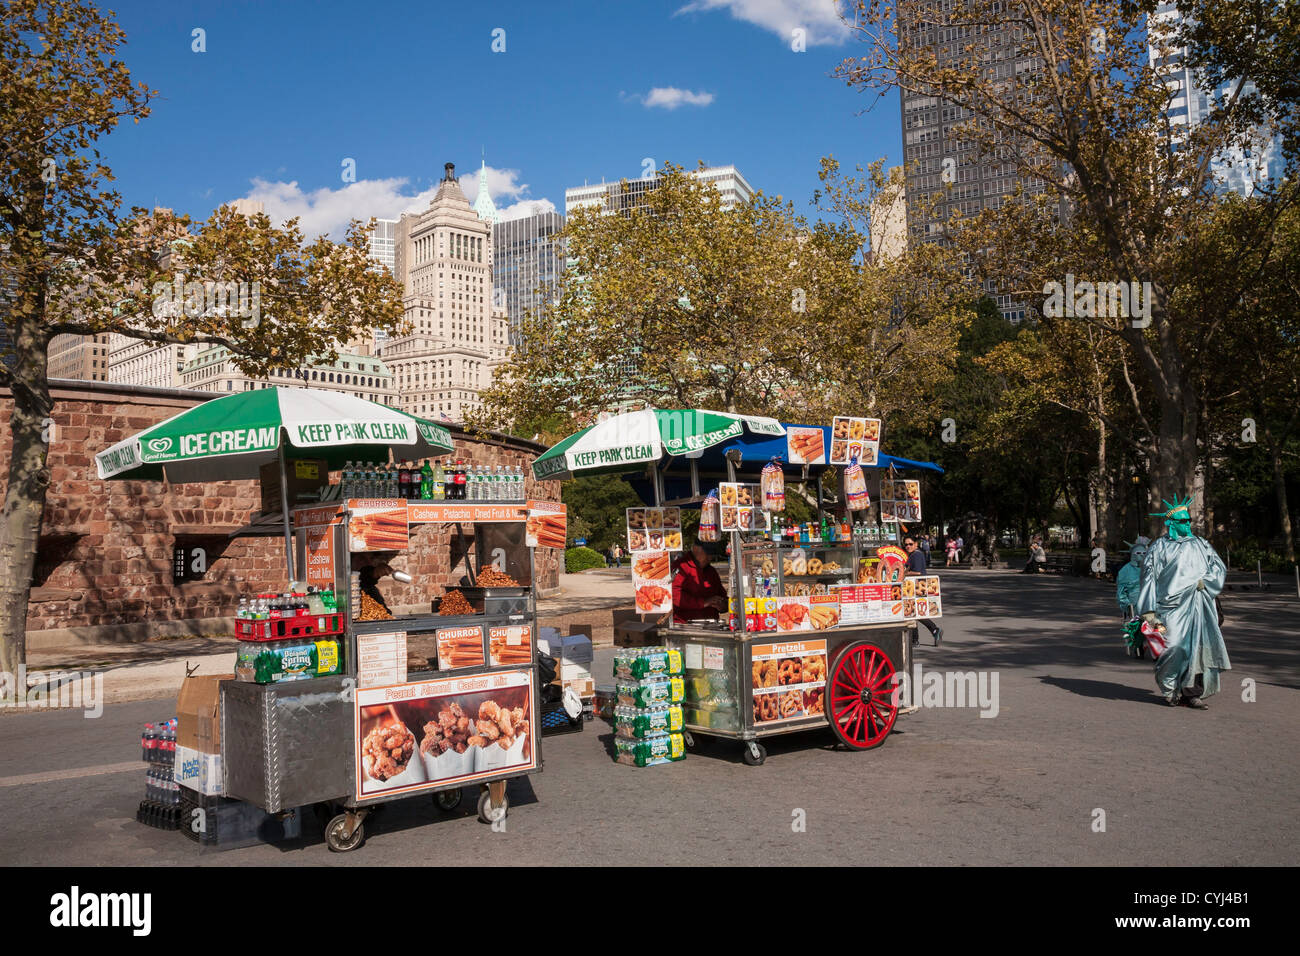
x,y
377,732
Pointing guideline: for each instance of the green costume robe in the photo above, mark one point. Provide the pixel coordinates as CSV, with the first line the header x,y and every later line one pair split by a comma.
x,y
1180,579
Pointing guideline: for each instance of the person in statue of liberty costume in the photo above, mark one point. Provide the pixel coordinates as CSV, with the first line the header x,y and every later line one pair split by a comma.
x,y
1181,577
1130,575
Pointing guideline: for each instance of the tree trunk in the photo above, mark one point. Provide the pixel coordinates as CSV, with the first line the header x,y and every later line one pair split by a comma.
x,y
1283,507
29,478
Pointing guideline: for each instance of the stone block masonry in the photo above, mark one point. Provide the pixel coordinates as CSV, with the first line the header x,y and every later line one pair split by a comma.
x,y
104,563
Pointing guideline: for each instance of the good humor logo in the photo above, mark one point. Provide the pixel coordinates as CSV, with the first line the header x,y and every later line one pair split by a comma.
x,y
1100,300
76,909
948,689
53,690
209,299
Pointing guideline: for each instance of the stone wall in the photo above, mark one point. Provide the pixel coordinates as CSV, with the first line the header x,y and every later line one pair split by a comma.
x,y
104,563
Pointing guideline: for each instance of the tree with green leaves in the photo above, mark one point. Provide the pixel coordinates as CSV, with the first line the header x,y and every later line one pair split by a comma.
x,y
70,265
1066,94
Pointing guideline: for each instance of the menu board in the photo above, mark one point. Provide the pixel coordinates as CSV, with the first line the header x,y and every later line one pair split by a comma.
x,y
652,581
381,659
900,499
788,679
855,438
318,527
805,445
741,507
654,529
907,600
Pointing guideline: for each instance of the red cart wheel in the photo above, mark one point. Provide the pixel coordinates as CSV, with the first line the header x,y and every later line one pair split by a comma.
x,y
860,696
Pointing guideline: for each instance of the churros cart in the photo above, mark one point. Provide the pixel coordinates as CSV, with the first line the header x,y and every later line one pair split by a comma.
x,y
336,710
427,704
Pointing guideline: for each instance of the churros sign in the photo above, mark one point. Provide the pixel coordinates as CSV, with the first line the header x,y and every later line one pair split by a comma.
x,y
378,524
547,525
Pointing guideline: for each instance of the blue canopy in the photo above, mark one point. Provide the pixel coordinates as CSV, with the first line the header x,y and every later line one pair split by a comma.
x,y
755,452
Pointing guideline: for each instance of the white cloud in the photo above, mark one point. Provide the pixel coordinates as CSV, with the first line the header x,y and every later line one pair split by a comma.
x,y
670,97
525,207
818,18
326,211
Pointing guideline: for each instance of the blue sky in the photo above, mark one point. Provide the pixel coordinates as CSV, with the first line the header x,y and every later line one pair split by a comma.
x,y
287,90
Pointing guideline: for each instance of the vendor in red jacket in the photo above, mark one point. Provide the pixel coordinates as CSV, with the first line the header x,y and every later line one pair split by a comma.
x,y
697,589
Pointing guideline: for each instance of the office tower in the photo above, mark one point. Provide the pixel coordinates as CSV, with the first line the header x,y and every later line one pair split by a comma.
x,y
1237,168
527,263
443,258
616,197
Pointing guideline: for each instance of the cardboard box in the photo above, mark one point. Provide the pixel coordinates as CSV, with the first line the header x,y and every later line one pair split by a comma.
x,y
583,688
200,772
637,633
571,672
578,649
305,478
198,713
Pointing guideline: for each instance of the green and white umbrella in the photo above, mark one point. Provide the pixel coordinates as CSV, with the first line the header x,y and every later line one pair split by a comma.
x,y
232,437
622,443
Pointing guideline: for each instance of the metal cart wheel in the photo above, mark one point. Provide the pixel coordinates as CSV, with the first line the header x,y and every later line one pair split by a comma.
x,y
336,835
489,813
860,696
753,753
448,800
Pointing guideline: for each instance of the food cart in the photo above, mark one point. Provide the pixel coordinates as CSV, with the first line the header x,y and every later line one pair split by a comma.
x,y
357,712
819,626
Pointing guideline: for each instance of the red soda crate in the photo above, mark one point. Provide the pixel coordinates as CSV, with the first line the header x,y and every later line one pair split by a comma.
x,y
316,625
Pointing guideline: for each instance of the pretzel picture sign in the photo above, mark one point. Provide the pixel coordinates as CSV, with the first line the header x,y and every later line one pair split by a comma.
x,y
788,680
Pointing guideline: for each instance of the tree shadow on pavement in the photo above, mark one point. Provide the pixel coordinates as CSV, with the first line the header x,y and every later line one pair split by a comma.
x,y
1104,690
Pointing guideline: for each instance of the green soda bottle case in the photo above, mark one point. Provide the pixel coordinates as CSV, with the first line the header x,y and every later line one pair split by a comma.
x,y
640,723
640,663
646,693
664,748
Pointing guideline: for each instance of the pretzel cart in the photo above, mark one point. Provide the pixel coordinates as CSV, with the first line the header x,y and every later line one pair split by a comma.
x,y
820,631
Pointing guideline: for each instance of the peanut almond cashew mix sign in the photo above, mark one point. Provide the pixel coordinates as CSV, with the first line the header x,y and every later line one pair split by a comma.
x,y
232,437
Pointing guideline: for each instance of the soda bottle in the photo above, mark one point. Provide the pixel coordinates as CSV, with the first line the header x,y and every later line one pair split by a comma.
x,y
462,480
439,482
404,481
426,481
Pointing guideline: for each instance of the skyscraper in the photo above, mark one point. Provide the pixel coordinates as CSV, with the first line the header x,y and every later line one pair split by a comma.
x,y
1238,168
527,262
947,174
443,258
615,197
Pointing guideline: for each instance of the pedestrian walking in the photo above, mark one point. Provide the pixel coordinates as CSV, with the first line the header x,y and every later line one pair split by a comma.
x,y
917,566
951,551
924,544
618,556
